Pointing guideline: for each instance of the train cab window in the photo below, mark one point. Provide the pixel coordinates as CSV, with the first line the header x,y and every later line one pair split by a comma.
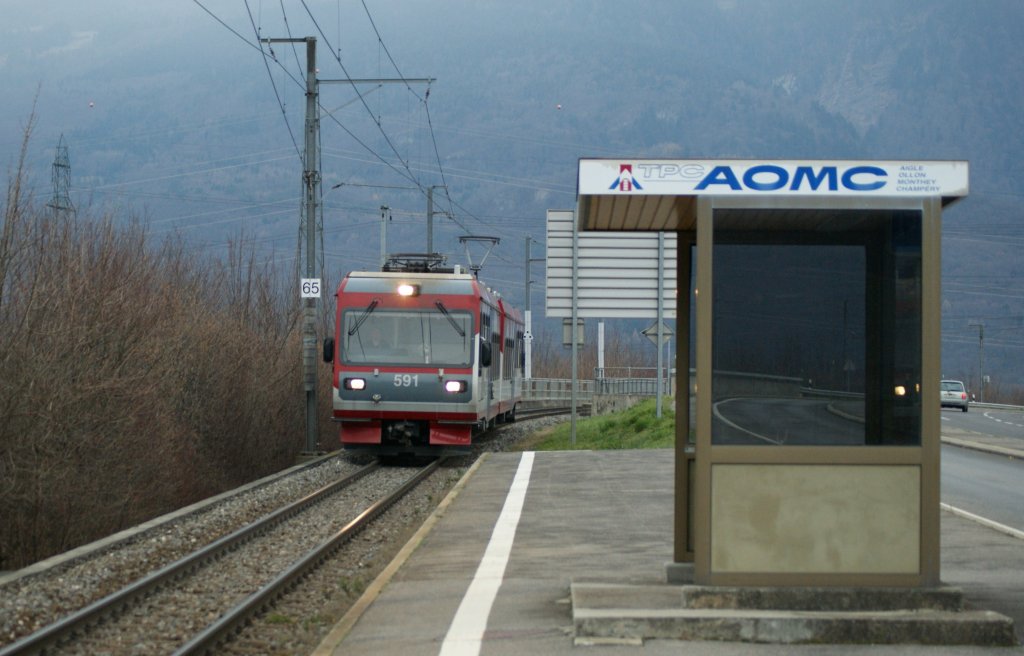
x,y
415,337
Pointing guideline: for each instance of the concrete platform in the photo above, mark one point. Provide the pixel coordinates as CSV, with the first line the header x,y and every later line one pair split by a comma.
x,y
593,525
783,615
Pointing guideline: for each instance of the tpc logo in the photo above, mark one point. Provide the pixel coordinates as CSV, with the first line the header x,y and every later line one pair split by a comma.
x,y
626,181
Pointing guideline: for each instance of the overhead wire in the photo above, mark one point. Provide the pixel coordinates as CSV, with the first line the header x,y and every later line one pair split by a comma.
x,y
288,30
433,137
405,164
437,154
404,168
226,26
378,156
380,41
270,75
467,174
426,109
187,173
362,99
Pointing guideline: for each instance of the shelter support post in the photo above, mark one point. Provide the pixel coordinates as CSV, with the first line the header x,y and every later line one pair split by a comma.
x,y
701,505
931,373
682,545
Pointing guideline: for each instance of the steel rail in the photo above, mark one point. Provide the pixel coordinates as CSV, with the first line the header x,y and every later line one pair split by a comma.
x,y
52,634
155,524
233,620
536,413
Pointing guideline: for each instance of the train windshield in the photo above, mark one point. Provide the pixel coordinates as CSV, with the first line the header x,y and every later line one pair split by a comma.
x,y
440,337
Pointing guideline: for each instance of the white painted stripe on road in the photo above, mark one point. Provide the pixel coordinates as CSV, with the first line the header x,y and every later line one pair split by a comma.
x,y
720,417
984,521
465,635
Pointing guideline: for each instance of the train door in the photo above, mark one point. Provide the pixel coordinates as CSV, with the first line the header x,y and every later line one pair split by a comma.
x,y
502,342
484,362
493,326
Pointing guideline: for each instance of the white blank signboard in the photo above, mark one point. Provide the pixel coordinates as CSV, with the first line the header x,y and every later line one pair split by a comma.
x,y
618,272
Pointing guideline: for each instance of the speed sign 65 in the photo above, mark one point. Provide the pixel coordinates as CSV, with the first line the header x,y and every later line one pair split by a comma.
x,y
310,288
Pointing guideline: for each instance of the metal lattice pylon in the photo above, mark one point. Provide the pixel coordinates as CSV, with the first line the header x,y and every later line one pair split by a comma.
x,y
61,202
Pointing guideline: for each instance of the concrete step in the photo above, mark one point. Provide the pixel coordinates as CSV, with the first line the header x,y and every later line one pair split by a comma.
x,y
622,612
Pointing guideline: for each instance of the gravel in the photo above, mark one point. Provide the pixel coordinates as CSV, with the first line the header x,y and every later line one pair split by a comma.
x,y
300,619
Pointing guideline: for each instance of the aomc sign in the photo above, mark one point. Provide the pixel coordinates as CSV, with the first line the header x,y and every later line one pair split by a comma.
x,y
782,177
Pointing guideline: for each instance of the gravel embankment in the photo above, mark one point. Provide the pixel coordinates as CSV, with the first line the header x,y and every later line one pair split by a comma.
x,y
300,619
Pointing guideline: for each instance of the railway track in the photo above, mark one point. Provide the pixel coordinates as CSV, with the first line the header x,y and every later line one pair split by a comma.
x,y
536,413
49,593
112,624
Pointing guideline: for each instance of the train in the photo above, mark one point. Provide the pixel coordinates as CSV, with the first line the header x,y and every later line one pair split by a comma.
x,y
423,360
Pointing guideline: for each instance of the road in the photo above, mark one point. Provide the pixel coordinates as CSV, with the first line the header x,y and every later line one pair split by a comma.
x,y
984,484
988,485
760,421
1001,423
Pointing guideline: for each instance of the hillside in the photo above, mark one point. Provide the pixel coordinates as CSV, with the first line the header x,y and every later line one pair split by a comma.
x,y
185,127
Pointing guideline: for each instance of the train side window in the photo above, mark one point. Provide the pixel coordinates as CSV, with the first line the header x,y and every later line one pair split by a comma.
x,y
485,354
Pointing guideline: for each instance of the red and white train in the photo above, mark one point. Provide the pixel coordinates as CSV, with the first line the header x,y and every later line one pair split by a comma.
x,y
422,361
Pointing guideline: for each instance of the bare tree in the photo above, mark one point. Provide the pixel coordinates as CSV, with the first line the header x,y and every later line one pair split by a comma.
x,y
134,378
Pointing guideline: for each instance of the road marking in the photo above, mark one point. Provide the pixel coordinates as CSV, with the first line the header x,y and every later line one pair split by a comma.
x,y
988,415
465,635
1002,528
718,415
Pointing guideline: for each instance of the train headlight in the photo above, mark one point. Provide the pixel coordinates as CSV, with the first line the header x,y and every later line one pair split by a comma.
x,y
455,386
405,289
355,383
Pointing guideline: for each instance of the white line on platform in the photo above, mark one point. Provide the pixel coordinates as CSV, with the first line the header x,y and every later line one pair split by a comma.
x,y
996,526
466,632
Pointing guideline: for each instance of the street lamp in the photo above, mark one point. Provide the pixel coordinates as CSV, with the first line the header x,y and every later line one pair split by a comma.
x,y
980,325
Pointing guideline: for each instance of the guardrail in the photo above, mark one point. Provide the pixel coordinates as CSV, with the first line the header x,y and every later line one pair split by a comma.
x,y
997,406
557,389
831,394
837,394
634,381
560,389
633,386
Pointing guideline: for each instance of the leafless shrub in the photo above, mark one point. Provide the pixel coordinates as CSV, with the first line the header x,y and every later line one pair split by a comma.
x,y
133,378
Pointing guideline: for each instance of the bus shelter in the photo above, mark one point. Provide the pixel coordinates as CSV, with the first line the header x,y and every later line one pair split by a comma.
x,y
811,456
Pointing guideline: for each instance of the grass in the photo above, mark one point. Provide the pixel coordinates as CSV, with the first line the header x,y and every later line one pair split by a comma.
x,y
352,586
635,428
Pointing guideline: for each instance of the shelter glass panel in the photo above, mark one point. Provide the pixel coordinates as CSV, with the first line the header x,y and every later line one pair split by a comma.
x,y
816,328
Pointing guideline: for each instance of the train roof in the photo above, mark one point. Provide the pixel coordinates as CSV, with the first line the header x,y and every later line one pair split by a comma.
x,y
438,284
383,282
393,275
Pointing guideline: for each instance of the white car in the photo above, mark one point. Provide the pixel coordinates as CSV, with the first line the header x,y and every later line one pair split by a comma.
x,y
954,395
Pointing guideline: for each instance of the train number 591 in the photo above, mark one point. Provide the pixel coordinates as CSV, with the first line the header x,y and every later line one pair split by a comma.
x,y
407,380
